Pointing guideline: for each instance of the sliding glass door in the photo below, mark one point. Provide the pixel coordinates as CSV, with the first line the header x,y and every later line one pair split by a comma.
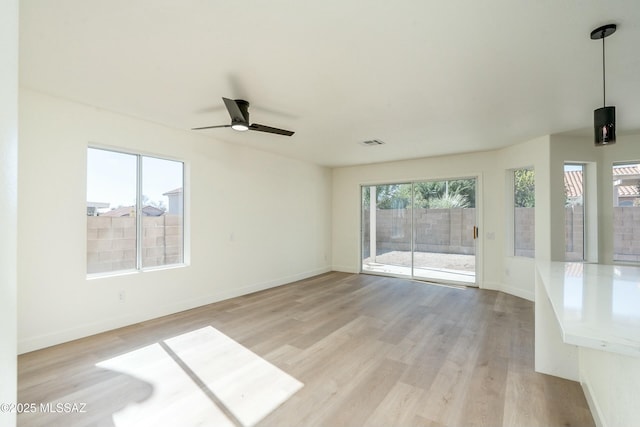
x,y
386,230
424,230
444,227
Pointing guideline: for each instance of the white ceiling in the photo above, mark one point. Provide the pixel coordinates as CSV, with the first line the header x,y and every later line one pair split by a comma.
x,y
427,77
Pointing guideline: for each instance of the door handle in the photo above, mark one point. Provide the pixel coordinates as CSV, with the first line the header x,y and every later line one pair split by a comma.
x,y
476,232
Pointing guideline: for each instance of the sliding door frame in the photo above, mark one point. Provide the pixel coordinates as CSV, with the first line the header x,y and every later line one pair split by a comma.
x,y
412,181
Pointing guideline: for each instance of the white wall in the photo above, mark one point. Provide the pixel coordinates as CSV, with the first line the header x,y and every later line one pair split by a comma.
x,y
627,148
518,277
8,203
611,383
497,269
257,220
567,149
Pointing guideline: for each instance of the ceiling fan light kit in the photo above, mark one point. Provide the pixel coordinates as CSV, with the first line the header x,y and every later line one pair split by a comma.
x,y
240,127
239,111
604,119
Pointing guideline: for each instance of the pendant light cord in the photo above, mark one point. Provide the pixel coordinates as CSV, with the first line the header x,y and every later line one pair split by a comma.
x,y
604,81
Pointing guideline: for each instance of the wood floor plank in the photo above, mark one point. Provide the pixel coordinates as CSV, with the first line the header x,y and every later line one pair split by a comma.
x,y
398,407
445,399
520,409
356,407
370,350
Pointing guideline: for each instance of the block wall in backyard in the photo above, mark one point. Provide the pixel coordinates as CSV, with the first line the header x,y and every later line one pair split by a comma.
x,y
437,230
626,233
574,233
524,232
111,242
451,231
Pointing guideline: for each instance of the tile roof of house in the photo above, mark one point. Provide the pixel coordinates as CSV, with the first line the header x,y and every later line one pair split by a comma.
x,y
628,191
175,191
574,188
573,183
152,211
121,211
629,173
626,170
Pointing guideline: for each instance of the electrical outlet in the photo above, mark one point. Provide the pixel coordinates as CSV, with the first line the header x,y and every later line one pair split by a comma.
x,y
121,296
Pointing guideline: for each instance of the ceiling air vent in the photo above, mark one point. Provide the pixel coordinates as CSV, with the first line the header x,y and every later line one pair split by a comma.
x,y
372,142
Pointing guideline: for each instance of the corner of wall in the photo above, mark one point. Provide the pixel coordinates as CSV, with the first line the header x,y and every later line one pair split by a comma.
x,y
8,202
518,292
596,412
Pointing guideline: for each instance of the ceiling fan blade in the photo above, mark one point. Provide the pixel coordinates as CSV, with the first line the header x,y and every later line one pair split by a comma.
x,y
234,111
212,127
269,129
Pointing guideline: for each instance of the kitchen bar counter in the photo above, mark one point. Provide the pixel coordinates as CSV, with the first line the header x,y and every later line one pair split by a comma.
x,y
588,330
595,305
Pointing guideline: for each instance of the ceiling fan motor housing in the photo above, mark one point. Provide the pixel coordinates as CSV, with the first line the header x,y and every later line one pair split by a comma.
x,y
243,106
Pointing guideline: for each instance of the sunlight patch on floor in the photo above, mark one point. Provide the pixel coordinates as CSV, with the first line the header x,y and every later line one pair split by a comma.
x,y
201,378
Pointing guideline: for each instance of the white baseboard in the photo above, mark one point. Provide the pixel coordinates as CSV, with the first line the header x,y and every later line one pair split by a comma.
x,y
37,342
518,292
28,344
492,286
511,290
593,405
345,269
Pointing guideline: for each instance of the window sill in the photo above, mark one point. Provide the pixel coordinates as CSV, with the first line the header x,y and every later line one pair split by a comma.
x,y
94,276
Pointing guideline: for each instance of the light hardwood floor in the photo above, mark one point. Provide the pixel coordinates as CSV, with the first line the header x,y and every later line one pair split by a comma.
x,y
370,351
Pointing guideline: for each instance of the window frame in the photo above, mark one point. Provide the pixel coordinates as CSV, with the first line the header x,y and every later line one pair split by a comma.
x,y
511,212
614,164
586,189
139,217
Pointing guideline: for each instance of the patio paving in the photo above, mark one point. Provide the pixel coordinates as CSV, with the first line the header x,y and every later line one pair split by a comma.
x,y
437,267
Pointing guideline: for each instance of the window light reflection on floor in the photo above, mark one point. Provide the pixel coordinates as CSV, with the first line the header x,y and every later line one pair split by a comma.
x,y
201,378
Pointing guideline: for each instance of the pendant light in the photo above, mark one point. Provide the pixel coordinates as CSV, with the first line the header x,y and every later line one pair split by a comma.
x,y
604,119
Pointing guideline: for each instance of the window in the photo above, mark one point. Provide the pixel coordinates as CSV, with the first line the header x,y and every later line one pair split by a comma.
x,y
574,211
626,212
135,208
524,202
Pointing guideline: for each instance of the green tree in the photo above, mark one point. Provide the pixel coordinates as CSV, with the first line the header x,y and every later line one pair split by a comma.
x,y
465,188
449,201
454,193
458,189
425,191
391,196
524,188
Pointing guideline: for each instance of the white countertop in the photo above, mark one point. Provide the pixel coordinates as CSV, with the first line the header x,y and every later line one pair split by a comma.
x,y
596,305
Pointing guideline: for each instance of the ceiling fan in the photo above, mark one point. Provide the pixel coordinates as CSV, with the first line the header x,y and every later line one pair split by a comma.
x,y
239,112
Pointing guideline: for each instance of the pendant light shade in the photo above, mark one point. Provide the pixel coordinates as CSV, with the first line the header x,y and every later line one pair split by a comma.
x,y
604,119
604,125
